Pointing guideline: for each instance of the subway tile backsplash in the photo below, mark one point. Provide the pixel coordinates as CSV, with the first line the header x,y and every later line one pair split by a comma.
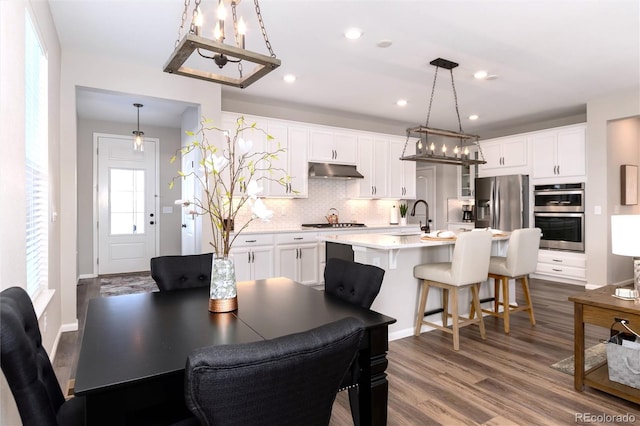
x,y
323,195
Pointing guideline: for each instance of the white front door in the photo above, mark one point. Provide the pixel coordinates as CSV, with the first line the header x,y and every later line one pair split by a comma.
x,y
127,217
188,193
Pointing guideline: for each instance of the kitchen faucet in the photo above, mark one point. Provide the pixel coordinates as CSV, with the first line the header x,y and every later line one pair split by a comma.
x,y
413,213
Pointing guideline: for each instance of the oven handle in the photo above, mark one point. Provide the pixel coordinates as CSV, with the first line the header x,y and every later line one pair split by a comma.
x,y
558,214
545,192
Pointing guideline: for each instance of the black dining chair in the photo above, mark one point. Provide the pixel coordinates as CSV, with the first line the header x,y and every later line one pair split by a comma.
x,y
290,380
27,368
358,284
180,272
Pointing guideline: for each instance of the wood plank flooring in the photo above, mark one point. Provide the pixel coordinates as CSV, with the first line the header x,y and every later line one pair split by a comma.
x,y
504,380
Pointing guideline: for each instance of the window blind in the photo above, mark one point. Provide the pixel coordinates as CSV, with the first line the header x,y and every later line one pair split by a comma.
x,y
36,161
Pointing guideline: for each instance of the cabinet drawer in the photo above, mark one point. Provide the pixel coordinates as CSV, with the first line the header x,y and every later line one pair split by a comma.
x,y
248,240
299,238
561,259
562,271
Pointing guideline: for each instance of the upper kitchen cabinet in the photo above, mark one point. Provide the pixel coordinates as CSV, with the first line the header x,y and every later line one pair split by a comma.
x,y
373,157
504,156
294,139
467,175
255,135
402,174
559,153
328,145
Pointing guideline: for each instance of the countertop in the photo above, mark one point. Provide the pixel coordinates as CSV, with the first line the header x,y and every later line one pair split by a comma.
x,y
374,227
389,241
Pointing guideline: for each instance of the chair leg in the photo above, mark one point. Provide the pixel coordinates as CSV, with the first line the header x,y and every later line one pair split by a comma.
x,y
505,303
476,302
445,307
455,323
496,295
527,297
421,307
355,405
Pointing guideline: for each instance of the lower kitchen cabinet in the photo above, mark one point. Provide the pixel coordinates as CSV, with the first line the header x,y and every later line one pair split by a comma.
x,y
563,266
253,263
298,262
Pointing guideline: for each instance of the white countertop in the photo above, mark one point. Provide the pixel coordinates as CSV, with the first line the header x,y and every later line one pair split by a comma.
x,y
388,241
330,230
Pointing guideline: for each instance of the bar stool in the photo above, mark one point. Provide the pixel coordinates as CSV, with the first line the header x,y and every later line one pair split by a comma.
x,y
468,268
521,260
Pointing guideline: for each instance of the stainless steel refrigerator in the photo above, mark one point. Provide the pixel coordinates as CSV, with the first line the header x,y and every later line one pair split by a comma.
x,y
502,202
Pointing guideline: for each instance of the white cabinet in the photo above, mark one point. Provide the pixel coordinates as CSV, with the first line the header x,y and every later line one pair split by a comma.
x,y
467,178
373,157
259,144
559,152
328,145
562,266
253,256
402,174
504,156
294,140
297,257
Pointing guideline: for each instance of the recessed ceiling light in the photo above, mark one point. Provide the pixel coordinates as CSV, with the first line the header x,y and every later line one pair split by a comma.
x,y
481,75
384,43
401,102
353,33
289,78
473,117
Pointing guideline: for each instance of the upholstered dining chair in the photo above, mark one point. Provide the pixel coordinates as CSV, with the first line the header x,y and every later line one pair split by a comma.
x,y
27,368
291,380
521,260
358,284
180,272
469,267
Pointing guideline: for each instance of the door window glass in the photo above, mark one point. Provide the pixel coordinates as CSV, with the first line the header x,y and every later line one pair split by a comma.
x,y
126,201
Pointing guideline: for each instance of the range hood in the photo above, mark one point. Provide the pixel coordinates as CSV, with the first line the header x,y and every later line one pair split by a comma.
x,y
335,171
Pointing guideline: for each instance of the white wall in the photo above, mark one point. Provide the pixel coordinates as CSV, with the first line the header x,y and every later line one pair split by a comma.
x,y
12,170
599,113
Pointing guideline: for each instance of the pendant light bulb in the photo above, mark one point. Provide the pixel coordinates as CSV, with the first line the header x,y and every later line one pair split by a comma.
x,y
138,136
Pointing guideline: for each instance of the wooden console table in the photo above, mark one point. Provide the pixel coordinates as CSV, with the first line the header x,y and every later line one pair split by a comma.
x,y
600,308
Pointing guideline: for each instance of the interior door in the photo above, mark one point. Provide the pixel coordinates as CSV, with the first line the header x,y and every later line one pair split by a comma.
x,y
188,234
127,216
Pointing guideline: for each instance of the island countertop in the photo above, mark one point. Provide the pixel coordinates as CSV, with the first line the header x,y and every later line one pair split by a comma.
x,y
392,241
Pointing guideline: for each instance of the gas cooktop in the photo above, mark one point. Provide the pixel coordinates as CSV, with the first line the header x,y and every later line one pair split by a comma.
x,y
333,225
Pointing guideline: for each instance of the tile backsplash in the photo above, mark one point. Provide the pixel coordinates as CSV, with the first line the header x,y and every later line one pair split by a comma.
x,y
323,195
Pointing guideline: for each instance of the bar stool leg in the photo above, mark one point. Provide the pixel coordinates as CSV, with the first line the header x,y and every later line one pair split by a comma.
x,y
527,296
455,324
496,296
505,303
423,303
476,303
445,307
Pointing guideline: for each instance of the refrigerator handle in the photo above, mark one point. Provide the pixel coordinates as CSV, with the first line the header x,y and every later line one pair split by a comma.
x,y
495,219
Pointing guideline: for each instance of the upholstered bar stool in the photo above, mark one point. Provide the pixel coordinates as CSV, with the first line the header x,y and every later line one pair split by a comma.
x,y
468,268
521,260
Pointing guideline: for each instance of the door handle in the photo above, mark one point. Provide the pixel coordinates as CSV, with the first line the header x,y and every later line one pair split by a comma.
x,y
151,222
184,225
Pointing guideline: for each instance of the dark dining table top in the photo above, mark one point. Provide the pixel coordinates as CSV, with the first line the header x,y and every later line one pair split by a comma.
x,y
135,337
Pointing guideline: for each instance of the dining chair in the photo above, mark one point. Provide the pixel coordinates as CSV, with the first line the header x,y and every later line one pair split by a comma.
x,y
27,368
469,267
358,284
290,380
521,260
180,272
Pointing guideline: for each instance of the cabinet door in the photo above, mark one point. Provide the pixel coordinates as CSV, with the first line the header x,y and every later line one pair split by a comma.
x,y
366,168
543,147
321,146
280,165
262,262
346,149
380,167
242,263
492,152
571,152
409,180
514,152
397,170
308,264
298,167
287,258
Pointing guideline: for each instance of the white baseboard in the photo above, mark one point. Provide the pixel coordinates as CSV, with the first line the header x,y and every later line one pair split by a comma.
x,y
85,276
63,329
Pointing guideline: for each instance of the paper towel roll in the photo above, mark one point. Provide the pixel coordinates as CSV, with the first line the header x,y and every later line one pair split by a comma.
x,y
393,216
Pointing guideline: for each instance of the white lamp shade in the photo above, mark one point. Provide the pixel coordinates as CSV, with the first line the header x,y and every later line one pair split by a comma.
x,y
625,235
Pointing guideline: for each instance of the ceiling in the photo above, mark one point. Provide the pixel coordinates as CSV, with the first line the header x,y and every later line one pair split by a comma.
x,y
547,58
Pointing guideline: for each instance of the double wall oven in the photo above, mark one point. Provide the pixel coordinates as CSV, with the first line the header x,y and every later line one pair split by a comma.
x,y
559,212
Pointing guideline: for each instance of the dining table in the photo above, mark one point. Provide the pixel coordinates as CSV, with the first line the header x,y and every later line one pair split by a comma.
x,y
134,347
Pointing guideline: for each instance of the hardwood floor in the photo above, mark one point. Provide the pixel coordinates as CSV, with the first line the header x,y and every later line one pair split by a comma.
x,y
504,380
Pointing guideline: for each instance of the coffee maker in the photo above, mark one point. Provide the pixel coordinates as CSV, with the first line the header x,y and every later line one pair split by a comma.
x,y
467,212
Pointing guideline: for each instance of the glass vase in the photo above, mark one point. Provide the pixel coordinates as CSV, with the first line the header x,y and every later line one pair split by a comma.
x,y
223,291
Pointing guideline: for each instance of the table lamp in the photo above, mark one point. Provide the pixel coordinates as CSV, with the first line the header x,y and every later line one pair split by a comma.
x,y
625,241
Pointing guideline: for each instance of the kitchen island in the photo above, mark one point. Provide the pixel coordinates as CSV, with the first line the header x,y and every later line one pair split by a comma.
x,y
397,254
